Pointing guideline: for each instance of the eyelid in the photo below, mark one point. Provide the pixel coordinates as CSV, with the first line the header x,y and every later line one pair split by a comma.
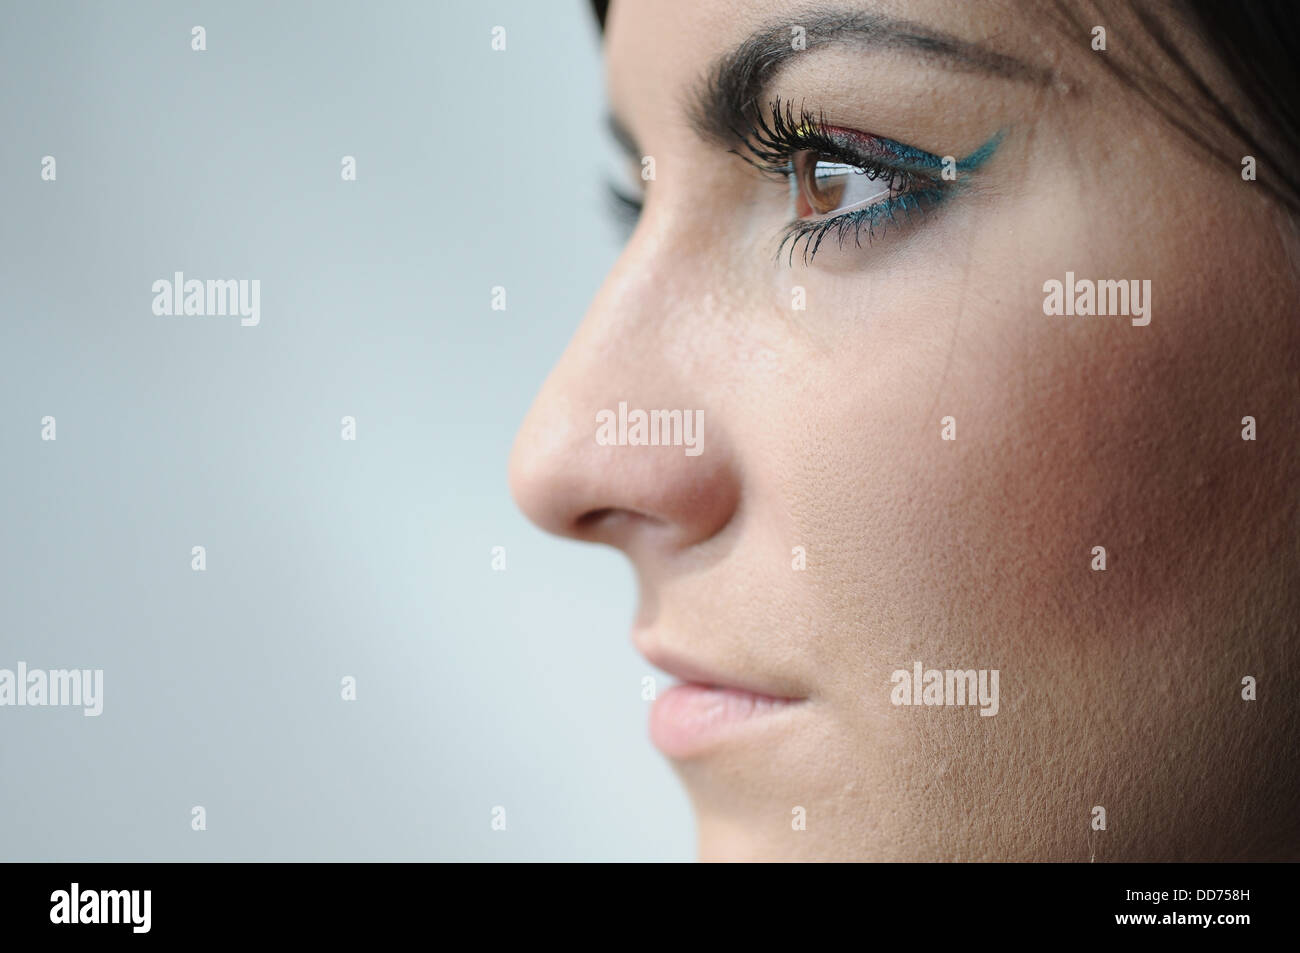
x,y
882,151
907,158
775,139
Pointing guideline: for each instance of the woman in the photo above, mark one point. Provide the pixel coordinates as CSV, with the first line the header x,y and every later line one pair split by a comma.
x,y
973,534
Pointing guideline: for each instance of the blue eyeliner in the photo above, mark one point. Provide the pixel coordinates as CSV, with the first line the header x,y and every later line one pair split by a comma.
x,y
906,158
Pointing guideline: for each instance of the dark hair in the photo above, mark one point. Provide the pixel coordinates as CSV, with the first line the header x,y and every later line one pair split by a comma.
x,y
1256,43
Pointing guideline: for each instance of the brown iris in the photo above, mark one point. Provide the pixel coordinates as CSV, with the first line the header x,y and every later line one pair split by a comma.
x,y
818,193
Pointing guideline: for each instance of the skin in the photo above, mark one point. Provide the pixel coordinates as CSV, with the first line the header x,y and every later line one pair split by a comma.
x,y
1119,688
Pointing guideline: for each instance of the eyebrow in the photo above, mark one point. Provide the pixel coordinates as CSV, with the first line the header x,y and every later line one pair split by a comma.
x,y
728,99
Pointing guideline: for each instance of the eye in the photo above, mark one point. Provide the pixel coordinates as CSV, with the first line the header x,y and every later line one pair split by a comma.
x,y
824,186
849,185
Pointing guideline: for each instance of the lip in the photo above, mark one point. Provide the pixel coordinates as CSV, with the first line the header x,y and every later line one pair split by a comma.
x,y
707,708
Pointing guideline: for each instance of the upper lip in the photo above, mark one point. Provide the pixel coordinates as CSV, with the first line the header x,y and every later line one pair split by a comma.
x,y
689,670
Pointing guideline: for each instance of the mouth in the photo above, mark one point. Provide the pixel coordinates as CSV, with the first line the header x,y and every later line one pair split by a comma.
x,y
706,709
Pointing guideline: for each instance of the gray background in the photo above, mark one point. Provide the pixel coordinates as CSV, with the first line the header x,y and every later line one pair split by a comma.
x,y
325,558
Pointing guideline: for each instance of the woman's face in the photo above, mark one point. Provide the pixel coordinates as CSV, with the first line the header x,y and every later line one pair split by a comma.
x,y
903,459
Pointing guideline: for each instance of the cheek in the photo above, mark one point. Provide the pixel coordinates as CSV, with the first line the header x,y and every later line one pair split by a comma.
x,y
1070,434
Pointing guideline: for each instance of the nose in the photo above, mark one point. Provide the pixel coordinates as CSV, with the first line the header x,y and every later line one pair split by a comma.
x,y
605,453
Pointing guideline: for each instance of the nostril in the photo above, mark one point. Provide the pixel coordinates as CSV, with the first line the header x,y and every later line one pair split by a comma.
x,y
588,521
609,514
610,524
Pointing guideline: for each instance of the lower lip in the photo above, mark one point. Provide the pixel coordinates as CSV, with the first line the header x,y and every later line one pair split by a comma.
x,y
688,718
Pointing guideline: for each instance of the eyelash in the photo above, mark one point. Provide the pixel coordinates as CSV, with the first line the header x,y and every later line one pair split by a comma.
x,y
776,138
